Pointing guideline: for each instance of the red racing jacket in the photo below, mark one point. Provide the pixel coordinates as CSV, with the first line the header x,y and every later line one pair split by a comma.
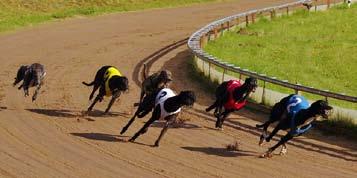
x,y
231,103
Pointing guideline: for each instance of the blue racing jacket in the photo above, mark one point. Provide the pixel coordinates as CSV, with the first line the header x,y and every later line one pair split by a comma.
x,y
294,105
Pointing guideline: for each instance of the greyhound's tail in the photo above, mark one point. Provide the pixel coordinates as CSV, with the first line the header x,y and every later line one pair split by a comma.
x,y
259,126
88,84
144,72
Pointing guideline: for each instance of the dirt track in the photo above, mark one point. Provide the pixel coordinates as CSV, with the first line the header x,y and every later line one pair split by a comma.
x,y
50,138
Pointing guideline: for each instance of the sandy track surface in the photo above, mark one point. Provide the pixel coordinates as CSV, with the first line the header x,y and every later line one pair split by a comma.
x,y
51,138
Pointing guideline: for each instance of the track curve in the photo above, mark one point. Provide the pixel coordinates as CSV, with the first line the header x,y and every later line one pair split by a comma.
x,y
51,138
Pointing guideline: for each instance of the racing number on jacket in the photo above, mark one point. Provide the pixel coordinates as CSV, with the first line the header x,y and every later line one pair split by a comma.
x,y
162,94
295,102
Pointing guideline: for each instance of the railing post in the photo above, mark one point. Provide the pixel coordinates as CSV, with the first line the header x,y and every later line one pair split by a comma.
x,y
263,93
203,41
203,67
222,29
315,5
272,14
328,3
240,76
209,70
246,20
215,33
228,25
224,71
287,10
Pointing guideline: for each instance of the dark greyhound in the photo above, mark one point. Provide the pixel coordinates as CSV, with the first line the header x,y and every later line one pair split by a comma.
x,y
32,76
293,112
231,96
149,88
167,107
110,82
154,83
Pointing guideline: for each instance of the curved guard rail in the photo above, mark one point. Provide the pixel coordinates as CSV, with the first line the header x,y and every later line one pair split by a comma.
x,y
195,45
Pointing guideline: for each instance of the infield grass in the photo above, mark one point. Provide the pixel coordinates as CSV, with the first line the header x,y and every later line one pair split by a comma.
x,y
317,49
20,13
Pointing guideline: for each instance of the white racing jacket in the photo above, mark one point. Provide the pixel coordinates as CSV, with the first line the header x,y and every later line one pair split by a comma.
x,y
160,99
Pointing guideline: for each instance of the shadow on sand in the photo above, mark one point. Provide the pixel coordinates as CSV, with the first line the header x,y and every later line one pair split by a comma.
x,y
220,151
161,124
100,136
65,113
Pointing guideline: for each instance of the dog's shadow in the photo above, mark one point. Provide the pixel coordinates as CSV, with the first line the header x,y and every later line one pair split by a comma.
x,y
100,136
65,113
2,108
55,112
161,124
98,113
223,152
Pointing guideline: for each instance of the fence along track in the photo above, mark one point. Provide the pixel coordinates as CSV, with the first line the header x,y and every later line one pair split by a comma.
x,y
200,37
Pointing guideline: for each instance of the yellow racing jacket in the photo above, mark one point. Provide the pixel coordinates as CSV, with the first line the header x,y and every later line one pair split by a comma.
x,y
111,71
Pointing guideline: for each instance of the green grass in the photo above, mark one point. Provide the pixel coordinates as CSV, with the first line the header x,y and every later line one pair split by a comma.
x,y
20,13
314,49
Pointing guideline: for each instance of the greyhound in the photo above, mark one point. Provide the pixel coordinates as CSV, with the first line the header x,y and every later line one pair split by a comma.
x,y
167,107
149,88
32,76
294,114
110,82
231,95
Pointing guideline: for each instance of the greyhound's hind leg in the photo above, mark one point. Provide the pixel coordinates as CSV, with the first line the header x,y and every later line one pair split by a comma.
x,y
94,102
143,129
214,105
95,88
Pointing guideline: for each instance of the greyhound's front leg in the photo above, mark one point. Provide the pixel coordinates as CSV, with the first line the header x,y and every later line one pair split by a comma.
x,y
114,97
283,150
129,123
143,129
26,90
20,86
263,137
282,141
218,110
169,121
36,92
